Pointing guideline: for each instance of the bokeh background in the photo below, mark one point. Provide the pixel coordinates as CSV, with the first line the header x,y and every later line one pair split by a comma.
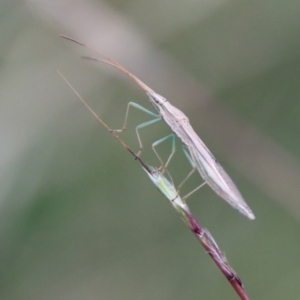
x,y
79,219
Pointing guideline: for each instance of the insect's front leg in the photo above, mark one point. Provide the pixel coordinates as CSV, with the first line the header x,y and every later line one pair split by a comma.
x,y
140,126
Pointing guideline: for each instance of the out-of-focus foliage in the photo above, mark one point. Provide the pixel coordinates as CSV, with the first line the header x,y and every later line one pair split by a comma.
x,y
79,219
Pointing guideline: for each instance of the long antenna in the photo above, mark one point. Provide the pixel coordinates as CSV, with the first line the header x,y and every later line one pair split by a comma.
x,y
103,123
111,62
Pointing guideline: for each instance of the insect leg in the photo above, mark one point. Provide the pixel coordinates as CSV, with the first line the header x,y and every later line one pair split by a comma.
x,y
164,165
189,175
138,134
149,112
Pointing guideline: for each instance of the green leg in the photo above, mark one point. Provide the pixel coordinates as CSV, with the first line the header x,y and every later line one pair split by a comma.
x,y
188,156
164,165
138,134
149,112
189,175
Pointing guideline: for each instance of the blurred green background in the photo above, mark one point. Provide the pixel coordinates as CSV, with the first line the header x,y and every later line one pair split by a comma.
x,y
78,217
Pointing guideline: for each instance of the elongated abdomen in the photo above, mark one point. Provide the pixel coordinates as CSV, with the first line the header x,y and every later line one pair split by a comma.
x,y
220,182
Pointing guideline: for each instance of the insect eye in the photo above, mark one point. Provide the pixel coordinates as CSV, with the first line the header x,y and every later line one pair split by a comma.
x,y
156,98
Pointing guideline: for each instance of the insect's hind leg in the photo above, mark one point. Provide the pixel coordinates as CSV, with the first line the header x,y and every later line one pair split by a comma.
x,y
189,175
163,166
149,112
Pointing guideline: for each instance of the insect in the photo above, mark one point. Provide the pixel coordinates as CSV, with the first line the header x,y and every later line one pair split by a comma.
x,y
196,151
167,188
